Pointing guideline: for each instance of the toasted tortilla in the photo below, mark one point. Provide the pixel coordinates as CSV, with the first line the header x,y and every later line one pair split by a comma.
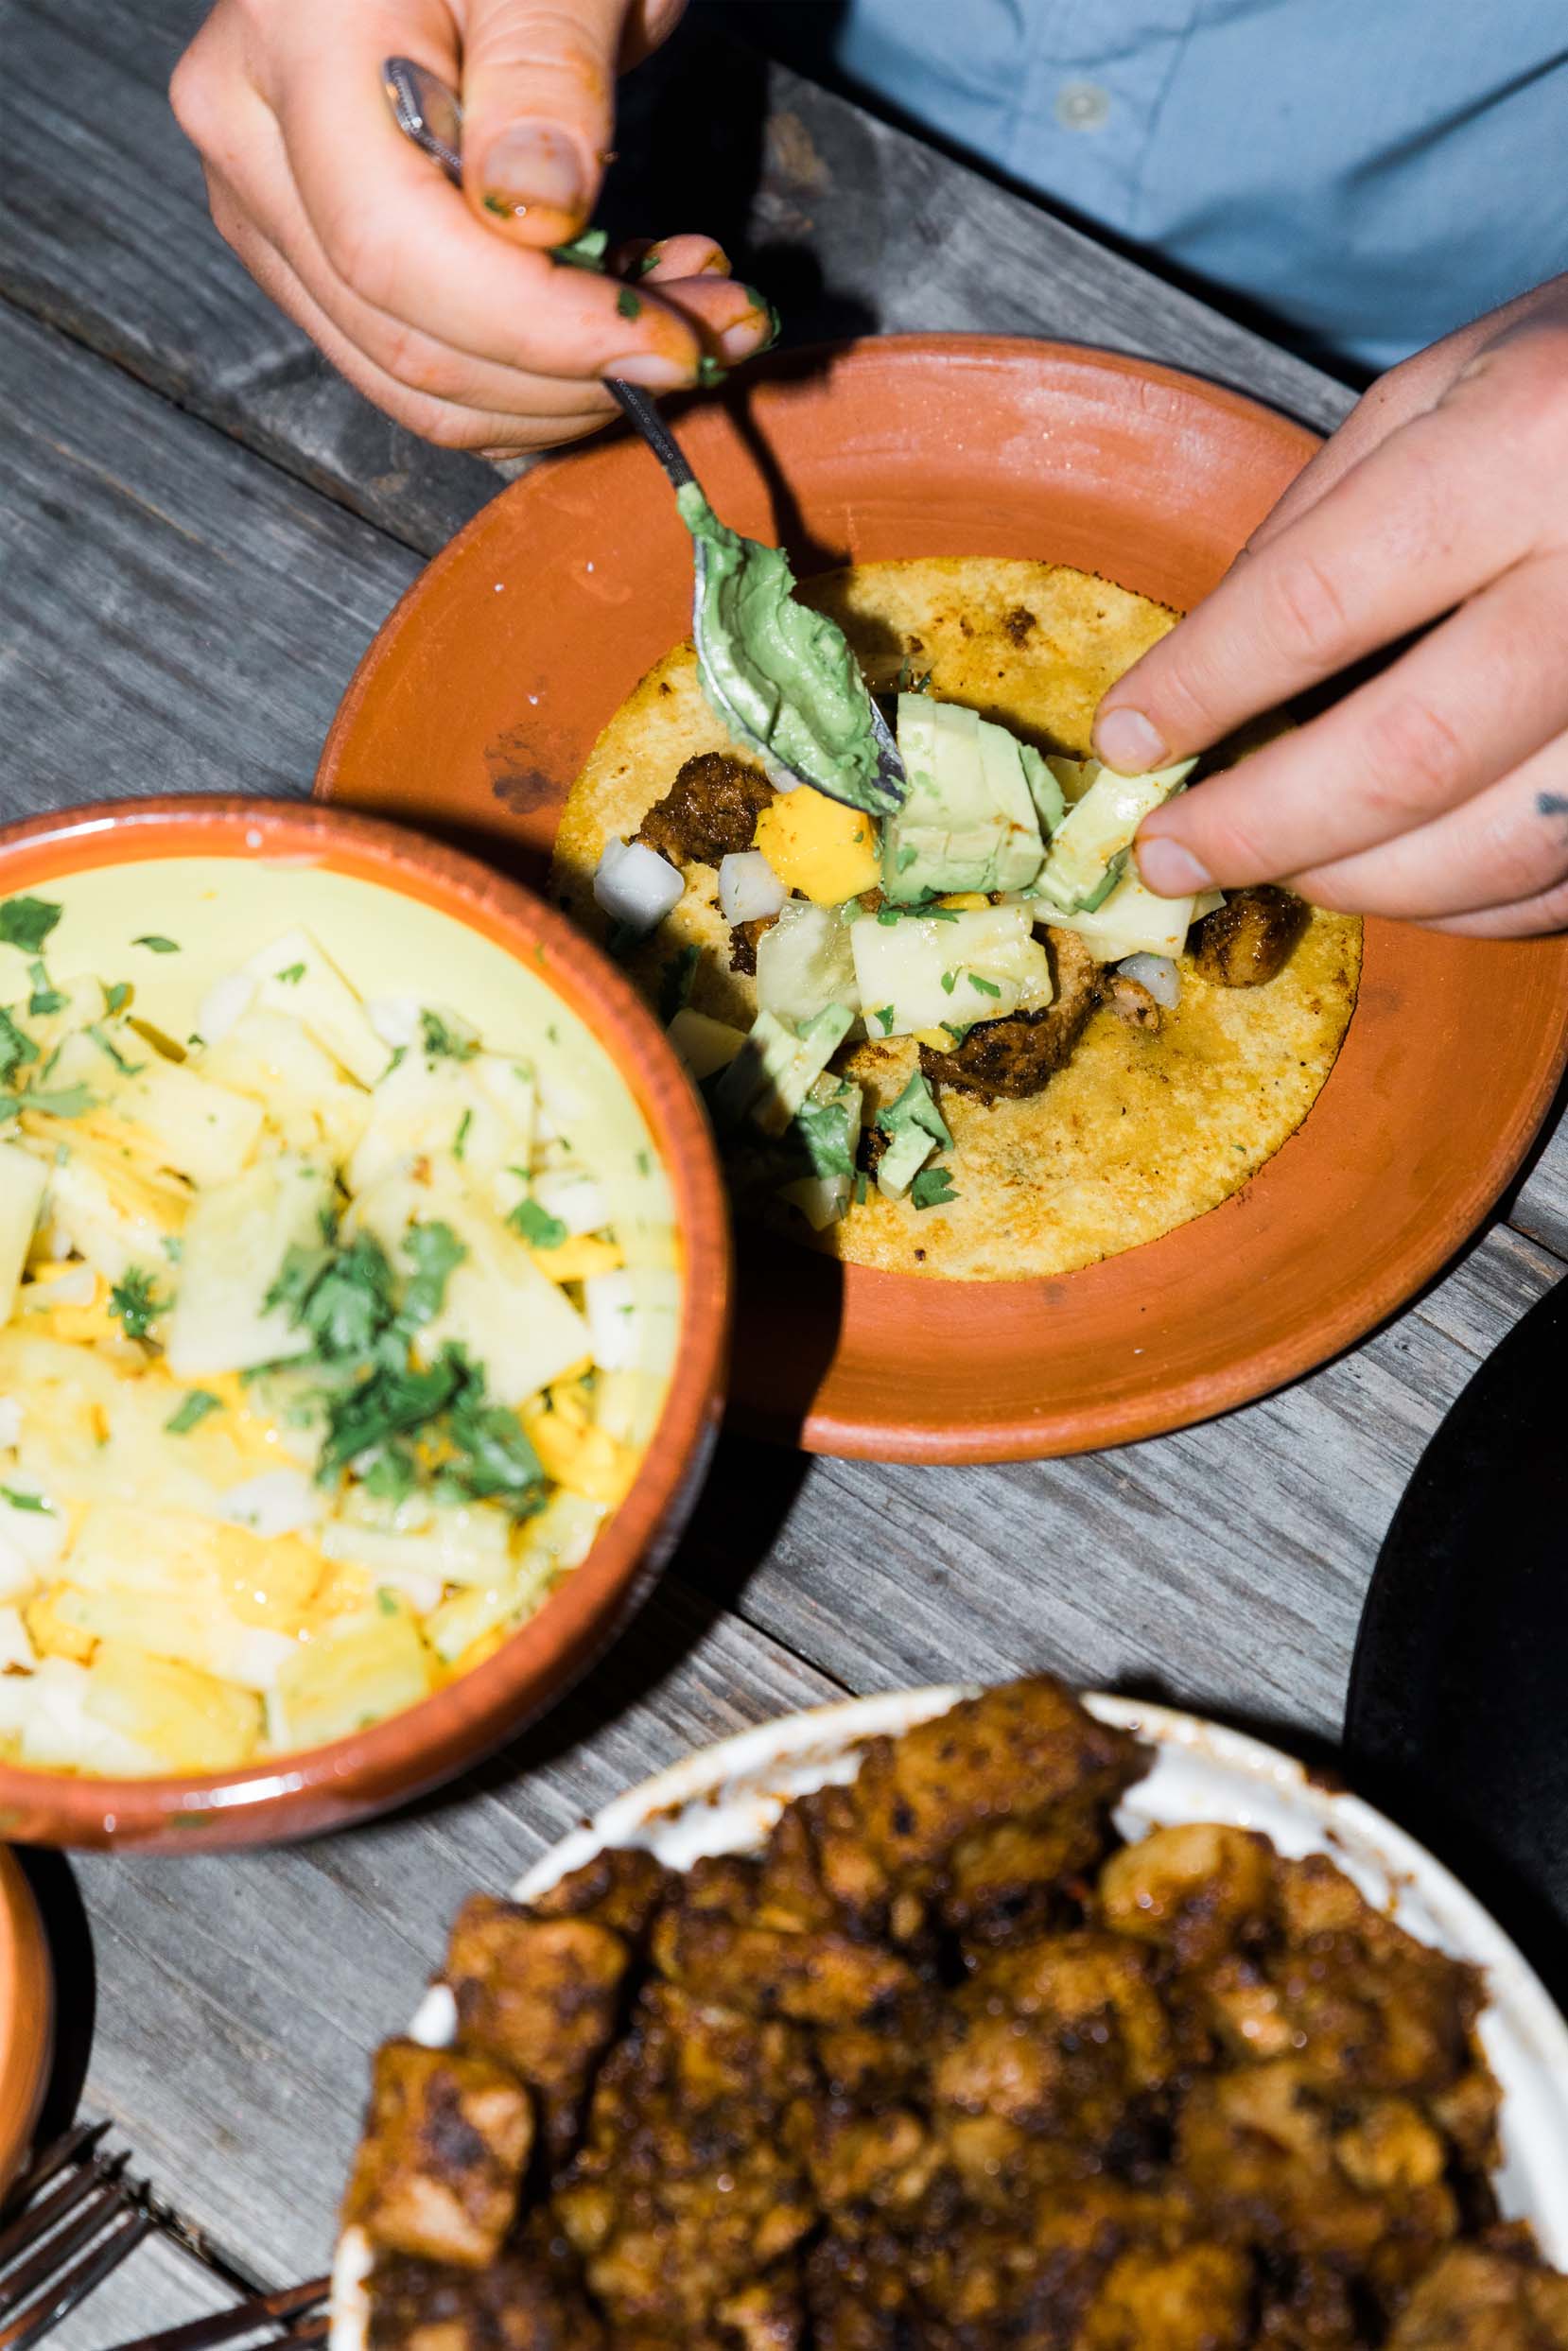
x,y
1141,1133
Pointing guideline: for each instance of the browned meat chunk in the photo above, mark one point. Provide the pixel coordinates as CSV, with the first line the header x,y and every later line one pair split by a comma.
x,y
1135,1006
1012,1753
1194,1888
620,1888
530,2299
709,811
1198,2299
1018,1056
1471,2300
742,944
1249,939
1060,2035
446,2140
1011,1880
769,2316
822,1978
541,1995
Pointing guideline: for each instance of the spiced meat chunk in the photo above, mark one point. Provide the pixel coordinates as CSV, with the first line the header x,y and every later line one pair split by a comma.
x,y
742,944
530,2299
709,811
622,1887
1249,939
539,1995
447,2141
1018,1056
1476,2300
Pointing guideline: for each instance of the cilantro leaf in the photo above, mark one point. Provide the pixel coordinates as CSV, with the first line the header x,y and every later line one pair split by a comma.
x,y
44,998
66,1101
385,1403
915,1107
675,982
824,1129
986,988
114,998
28,922
584,252
291,975
434,1251
495,1461
949,981
156,944
441,1042
135,1303
890,913
193,1412
538,1227
460,1140
19,1501
628,304
16,1048
104,1044
886,1016
933,1188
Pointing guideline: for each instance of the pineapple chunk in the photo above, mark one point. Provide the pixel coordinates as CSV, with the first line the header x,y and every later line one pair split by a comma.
x,y
271,1058
455,1545
558,1536
478,1114
45,1713
353,1671
185,1718
321,997
52,1630
159,1555
108,1211
185,1122
24,1182
206,1636
470,1617
237,1238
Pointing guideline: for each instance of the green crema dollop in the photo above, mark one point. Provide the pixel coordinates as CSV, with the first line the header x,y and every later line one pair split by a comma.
x,y
786,672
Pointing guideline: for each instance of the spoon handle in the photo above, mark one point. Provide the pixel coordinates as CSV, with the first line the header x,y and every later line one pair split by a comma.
x,y
642,412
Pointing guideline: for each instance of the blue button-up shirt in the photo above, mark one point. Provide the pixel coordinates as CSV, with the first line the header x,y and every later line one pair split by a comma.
x,y
1372,172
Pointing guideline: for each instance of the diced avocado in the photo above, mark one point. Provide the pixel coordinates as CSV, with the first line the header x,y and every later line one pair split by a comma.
x,y
905,1156
915,1127
1130,921
968,820
773,1071
922,969
1089,849
804,961
1044,787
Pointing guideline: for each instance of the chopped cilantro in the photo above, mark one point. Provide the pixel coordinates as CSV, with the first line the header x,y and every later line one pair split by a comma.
x,y
444,1043
94,1031
628,304
19,1501
66,1101
44,999
291,975
986,988
709,370
907,856
16,1048
495,1461
389,1473
584,252
915,1107
927,905
645,1166
886,1015
539,1228
908,681
173,1248
345,1300
135,1303
675,982
503,210
192,1410
117,996
460,1140
933,1188
958,1030
862,1185
434,1251
949,981
649,261
386,1601
824,1129
28,922
156,944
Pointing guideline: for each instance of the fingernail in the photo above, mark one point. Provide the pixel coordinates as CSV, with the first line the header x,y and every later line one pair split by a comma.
x,y
1171,871
532,165
745,339
1126,742
649,368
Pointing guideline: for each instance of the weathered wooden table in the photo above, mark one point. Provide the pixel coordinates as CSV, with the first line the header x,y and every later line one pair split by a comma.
x,y
200,530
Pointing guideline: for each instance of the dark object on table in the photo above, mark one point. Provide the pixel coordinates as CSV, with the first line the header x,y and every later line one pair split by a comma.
x,y
64,2227
1455,1720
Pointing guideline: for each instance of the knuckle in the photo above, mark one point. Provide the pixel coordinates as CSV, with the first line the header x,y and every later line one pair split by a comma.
x,y
360,251
414,360
191,97
1307,612
1415,755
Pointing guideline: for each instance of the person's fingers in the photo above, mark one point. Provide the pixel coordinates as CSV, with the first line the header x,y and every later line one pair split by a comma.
x,y
1408,533
451,425
1507,846
665,257
390,226
1523,918
735,321
1461,707
649,25
538,112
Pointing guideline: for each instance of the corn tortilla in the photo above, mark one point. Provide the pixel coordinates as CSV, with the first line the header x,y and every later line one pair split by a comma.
x,y
1141,1133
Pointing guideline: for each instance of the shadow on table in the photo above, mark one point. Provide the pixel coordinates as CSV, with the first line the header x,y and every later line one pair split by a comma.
x,y
1519,1909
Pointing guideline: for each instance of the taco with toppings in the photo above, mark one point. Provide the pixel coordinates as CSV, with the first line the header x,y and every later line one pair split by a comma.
x,y
958,1039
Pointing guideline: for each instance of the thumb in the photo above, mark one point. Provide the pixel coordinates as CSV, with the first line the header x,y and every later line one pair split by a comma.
x,y
538,101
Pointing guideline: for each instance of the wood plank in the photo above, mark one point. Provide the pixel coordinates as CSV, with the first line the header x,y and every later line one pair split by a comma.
x,y
854,226
1223,1567
174,614
240,1996
158,2284
1540,1205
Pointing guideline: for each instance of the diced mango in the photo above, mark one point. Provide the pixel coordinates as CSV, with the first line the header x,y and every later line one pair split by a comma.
x,y
965,901
587,1460
818,846
352,1672
191,1721
575,1260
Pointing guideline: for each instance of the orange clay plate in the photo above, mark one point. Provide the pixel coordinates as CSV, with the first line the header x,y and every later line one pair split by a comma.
x,y
26,2017
482,697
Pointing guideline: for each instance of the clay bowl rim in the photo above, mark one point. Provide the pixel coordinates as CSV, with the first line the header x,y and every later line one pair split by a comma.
x,y
26,2017
406,1753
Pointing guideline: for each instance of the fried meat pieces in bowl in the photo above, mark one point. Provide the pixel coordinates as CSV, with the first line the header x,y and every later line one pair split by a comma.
x,y
944,2064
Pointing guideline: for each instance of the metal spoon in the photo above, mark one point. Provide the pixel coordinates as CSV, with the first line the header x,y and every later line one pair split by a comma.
x,y
430,113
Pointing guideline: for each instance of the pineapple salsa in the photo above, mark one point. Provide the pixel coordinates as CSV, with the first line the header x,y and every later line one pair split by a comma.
x,y
332,1324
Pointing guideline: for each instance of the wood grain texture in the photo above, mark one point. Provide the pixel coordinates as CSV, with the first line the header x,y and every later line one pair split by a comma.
x,y
174,613
239,1997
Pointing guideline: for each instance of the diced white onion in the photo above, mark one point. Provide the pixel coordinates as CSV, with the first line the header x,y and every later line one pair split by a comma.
x,y
76,1286
395,1020
611,1301
10,1422
634,885
226,1002
435,2024
1158,974
279,1501
578,1200
749,890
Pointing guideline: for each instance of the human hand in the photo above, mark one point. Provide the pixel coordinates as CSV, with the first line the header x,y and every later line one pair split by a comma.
x,y
444,306
1437,790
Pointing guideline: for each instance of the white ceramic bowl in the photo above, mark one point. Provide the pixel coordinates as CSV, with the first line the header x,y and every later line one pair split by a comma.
x,y
725,1799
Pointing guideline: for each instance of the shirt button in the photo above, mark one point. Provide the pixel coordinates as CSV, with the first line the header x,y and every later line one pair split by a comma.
x,y
1082,105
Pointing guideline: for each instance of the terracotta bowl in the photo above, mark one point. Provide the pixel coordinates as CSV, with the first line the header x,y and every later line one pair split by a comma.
x,y
26,2017
482,695
393,1760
